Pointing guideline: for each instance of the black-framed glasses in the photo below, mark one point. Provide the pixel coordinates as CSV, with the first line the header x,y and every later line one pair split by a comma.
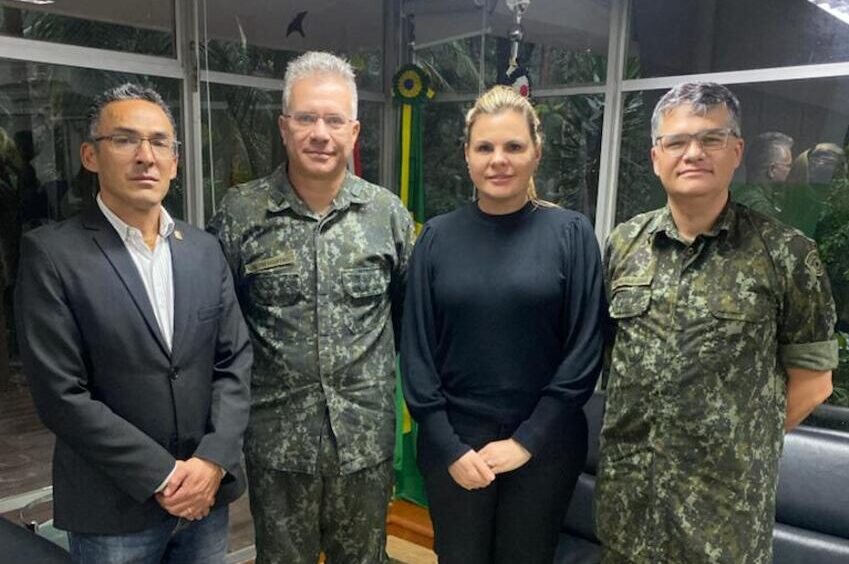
x,y
709,140
129,143
306,120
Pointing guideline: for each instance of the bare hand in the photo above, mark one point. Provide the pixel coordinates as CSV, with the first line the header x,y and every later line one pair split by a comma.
x,y
471,472
504,456
191,491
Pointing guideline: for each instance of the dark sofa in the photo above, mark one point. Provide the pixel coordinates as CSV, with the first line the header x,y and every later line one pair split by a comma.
x,y
21,546
812,513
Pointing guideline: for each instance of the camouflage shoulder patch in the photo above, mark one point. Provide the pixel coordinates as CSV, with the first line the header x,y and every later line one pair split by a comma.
x,y
814,264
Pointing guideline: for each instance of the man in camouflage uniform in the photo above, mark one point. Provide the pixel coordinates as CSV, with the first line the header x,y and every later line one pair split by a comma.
x,y
724,339
319,257
768,161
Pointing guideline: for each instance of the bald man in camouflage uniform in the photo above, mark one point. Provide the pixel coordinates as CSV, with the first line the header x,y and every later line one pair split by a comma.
x,y
319,257
724,339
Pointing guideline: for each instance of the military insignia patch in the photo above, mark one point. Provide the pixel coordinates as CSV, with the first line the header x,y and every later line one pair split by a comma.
x,y
814,264
286,257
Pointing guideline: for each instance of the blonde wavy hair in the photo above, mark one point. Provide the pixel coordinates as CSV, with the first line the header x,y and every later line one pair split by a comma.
x,y
500,99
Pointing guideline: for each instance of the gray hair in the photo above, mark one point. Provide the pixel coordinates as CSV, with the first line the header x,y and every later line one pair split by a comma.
x,y
126,91
701,97
765,150
319,62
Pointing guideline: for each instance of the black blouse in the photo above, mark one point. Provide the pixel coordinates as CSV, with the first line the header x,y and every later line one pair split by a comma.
x,y
502,321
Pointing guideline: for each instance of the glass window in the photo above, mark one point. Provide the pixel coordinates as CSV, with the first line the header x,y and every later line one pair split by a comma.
x,y
242,40
563,43
639,189
794,168
568,171
370,115
454,65
446,179
43,120
131,25
669,37
240,138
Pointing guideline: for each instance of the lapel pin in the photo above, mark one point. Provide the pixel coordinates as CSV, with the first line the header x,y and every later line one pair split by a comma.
x,y
178,234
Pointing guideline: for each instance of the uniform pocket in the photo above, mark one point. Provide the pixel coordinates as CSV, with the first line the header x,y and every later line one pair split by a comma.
x,y
275,287
365,291
740,331
748,307
630,301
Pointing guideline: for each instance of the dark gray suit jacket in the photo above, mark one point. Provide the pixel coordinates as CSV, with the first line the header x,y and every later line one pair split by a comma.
x,y
122,405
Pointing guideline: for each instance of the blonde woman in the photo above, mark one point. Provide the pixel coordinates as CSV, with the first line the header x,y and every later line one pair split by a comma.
x,y
501,347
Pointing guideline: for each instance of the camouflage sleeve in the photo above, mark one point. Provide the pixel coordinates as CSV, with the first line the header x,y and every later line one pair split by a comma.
x,y
223,227
609,322
404,233
807,318
752,198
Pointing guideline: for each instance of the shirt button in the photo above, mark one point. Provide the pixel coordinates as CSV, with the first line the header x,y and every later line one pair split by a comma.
x,y
690,251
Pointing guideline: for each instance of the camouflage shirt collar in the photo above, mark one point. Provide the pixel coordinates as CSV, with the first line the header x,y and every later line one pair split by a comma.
x,y
283,196
663,222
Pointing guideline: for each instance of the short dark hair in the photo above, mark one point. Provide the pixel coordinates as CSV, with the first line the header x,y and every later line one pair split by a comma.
x,y
702,97
126,91
764,150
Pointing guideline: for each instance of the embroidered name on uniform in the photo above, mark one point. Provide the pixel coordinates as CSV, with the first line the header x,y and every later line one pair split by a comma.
x,y
814,264
284,258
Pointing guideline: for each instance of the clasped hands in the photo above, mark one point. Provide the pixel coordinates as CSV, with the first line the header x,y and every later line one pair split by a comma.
x,y
190,492
477,469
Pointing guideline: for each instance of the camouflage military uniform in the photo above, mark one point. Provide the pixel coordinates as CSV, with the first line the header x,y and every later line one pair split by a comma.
x,y
696,393
762,199
318,294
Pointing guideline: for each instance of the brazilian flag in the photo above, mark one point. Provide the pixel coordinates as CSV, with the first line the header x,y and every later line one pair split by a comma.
x,y
411,89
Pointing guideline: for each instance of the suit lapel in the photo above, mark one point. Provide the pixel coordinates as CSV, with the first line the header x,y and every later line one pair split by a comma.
x,y
110,243
181,266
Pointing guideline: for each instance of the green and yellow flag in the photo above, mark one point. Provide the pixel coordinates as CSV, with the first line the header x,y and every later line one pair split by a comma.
x,y
411,89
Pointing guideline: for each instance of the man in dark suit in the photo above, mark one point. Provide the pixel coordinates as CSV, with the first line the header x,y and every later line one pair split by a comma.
x,y
136,353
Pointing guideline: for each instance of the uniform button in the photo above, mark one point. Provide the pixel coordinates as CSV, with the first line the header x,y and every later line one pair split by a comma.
x,y
174,374
690,251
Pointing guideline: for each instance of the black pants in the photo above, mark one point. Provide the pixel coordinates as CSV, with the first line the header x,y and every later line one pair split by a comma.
x,y
517,518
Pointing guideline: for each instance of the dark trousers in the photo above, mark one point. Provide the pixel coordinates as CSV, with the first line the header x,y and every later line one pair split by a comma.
x,y
518,517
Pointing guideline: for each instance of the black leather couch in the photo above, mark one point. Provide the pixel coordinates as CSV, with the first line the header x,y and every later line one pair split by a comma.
x,y
812,506
21,546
